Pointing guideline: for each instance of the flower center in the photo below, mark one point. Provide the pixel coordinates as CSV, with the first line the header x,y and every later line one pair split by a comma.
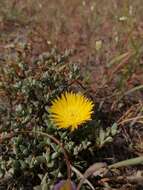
x,y
73,114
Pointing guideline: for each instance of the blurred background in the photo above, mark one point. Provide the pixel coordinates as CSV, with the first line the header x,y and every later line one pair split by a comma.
x,y
107,36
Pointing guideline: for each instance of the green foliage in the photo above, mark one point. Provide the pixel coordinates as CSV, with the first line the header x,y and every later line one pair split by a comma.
x,y
104,136
28,87
29,84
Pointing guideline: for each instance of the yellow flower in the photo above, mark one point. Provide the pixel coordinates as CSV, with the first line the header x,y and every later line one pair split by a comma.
x,y
70,110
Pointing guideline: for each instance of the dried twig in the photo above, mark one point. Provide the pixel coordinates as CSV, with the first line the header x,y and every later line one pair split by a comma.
x,y
82,176
97,167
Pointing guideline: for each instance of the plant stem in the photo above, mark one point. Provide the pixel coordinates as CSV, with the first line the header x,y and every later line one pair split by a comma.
x,y
129,162
60,144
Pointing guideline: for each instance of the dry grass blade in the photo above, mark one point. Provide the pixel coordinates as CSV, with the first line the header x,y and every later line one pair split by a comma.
x,y
100,167
117,59
131,119
129,162
82,176
120,65
134,89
